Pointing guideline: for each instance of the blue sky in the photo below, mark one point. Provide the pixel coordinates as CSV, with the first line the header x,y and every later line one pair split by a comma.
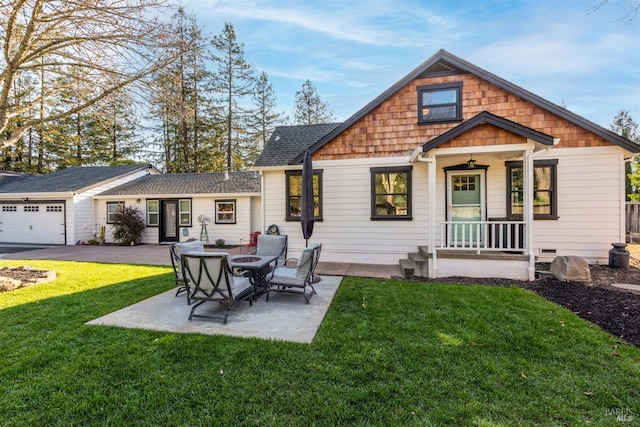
x,y
353,50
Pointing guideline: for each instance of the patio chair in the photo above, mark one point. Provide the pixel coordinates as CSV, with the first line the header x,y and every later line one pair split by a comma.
x,y
295,280
176,250
209,279
274,246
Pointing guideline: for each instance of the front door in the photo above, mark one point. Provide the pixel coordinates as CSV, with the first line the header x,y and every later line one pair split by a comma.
x,y
466,190
169,221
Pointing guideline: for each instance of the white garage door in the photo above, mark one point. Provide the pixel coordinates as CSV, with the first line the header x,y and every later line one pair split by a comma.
x,y
38,223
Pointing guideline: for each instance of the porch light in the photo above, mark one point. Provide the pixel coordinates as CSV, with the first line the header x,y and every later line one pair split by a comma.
x,y
471,164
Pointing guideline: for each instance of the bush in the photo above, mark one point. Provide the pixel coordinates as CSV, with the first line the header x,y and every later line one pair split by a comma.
x,y
128,226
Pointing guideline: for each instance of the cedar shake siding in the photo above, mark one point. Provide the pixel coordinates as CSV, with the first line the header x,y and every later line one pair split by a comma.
x,y
392,129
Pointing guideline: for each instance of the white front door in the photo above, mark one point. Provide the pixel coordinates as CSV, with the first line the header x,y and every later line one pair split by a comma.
x,y
466,204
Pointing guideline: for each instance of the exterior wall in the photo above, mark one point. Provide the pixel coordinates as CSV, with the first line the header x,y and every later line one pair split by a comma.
x,y
82,218
585,227
231,233
590,205
391,128
347,233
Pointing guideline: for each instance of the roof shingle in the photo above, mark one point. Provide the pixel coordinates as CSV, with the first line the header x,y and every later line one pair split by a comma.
x,y
69,179
288,142
190,183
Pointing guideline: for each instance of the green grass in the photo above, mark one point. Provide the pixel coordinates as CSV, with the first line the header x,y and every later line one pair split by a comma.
x,y
388,353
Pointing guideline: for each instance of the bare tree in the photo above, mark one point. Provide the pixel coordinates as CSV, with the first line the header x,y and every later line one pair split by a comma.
x,y
634,8
309,108
107,44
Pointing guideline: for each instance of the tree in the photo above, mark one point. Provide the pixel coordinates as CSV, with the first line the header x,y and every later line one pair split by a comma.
x,y
310,109
190,125
106,44
234,81
634,8
624,125
264,118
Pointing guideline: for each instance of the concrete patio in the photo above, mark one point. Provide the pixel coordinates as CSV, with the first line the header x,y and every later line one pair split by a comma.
x,y
285,317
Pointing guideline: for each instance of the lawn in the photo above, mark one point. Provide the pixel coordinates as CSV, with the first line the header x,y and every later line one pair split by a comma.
x,y
388,353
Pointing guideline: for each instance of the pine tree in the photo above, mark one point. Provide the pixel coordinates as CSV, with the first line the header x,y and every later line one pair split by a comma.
x,y
233,82
310,109
264,118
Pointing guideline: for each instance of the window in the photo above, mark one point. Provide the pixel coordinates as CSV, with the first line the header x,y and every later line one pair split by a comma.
x,y
545,204
440,103
391,193
112,209
184,207
54,208
294,194
29,208
153,213
225,211
9,209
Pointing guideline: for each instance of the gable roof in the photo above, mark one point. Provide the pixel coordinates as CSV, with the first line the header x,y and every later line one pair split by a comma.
x,y
69,179
445,63
189,183
487,118
287,142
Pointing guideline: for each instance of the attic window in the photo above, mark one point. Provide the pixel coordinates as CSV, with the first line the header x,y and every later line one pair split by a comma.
x,y
440,103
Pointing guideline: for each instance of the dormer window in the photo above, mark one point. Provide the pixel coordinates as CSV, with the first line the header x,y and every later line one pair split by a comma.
x,y
440,103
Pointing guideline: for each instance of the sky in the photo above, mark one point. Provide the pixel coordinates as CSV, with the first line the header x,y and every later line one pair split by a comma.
x,y
353,50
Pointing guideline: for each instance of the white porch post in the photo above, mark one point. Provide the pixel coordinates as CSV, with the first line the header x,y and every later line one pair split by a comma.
x,y
527,202
432,214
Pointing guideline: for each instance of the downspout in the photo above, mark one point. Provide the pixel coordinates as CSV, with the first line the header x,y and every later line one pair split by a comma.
x,y
431,160
262,202
527,196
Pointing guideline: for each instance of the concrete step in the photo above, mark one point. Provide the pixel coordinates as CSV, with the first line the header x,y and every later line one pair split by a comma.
x,y
407,267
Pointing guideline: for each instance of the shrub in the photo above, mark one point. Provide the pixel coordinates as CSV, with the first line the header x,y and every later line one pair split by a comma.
x,y
128,226
219,242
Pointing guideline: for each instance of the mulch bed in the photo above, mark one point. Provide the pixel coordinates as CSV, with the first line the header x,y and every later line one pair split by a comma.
x,y
615,310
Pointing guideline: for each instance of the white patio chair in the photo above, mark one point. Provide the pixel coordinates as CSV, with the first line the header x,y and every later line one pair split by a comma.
x,y
175,251
273,246
209,278
295,280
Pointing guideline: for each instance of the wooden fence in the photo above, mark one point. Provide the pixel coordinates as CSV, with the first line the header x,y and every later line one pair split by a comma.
x,y
632,222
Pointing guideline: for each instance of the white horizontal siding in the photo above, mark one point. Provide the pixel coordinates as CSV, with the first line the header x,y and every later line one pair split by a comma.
x,y
590,202
83,216
347,233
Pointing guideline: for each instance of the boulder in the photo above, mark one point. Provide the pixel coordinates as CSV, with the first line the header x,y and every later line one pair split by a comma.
x,y
571,268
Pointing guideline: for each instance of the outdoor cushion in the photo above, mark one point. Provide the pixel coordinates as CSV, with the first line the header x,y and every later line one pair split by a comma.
x,y
193,246
272,245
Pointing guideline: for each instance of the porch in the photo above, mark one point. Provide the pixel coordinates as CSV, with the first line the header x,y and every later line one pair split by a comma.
x,y
494,248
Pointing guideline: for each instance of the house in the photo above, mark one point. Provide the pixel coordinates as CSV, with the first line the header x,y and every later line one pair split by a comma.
x,y
57,208
174,206
452,171
70,206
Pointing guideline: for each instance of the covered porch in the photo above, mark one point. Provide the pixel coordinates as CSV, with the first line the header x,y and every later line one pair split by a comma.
x,y
481,192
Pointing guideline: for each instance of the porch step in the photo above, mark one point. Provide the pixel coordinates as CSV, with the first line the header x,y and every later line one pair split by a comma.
x,y
407,267
417,265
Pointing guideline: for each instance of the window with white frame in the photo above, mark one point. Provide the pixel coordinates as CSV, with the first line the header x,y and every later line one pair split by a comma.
x,y
153,213
184,214
225,211
112,209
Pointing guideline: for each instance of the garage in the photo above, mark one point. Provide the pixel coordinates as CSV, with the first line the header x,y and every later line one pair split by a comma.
x,y
32,223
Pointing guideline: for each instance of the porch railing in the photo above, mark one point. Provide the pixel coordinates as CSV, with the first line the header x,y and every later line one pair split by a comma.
x,y
483,235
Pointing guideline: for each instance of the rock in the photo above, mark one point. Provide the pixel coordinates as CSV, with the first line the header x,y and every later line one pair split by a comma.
x,y
571,268
9,284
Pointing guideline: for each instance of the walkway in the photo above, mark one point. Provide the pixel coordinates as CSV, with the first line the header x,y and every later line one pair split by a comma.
x,y
159,255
